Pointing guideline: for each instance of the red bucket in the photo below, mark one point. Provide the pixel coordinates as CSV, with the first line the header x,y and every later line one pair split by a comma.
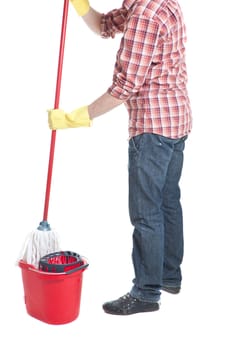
x,y
53,298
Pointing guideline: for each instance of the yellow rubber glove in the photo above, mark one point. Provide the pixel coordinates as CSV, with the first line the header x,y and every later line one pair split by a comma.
x,y
81,6
58,119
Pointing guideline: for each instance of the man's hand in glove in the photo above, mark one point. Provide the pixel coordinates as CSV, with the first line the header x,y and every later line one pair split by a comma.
x,y
58,119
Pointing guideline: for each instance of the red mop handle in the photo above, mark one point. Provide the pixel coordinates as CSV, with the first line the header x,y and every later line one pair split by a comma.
x,y
56,105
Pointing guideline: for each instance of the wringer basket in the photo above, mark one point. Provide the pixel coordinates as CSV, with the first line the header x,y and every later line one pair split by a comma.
x,y
52,293
60,262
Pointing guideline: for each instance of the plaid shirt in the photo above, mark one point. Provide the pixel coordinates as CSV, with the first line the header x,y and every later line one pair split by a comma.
x,y
150,70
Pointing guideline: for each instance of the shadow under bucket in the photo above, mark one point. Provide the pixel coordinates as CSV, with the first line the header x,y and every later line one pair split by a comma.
x,y
54,297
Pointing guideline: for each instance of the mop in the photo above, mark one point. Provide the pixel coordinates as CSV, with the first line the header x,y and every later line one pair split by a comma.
x,y
43,240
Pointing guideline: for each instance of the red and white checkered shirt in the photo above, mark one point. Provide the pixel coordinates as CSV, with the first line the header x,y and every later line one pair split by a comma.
x,y
150,71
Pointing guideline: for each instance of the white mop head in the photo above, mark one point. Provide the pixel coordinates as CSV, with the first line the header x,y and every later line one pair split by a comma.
x,y
38,244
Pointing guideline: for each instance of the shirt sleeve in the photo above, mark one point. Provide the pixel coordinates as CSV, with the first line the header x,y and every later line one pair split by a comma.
x,y
134,56
113,23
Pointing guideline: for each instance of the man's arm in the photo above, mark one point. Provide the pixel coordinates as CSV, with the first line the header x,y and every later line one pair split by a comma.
x,y
92,19
90,16
59,119
103,104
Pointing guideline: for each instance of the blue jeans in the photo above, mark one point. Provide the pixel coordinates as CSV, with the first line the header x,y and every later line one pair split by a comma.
x,y
155,167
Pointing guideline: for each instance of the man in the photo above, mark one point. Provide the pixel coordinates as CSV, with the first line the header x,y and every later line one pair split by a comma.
x,y
150,78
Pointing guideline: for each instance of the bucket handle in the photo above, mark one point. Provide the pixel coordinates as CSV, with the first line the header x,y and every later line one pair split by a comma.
x,y
81,267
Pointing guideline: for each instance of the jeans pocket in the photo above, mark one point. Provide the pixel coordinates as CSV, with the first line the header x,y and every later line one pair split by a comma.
x,y
134,151
135,143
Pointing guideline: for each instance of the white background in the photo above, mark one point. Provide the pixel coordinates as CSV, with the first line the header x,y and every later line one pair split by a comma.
x,y
88,206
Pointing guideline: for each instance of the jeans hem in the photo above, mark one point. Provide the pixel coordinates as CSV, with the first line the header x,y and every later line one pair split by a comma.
x,y
139,295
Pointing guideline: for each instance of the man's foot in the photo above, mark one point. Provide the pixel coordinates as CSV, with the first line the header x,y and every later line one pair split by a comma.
x,y
127,305
172,290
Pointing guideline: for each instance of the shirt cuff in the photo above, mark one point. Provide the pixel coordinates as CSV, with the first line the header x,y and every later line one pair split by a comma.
x,y
118,93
